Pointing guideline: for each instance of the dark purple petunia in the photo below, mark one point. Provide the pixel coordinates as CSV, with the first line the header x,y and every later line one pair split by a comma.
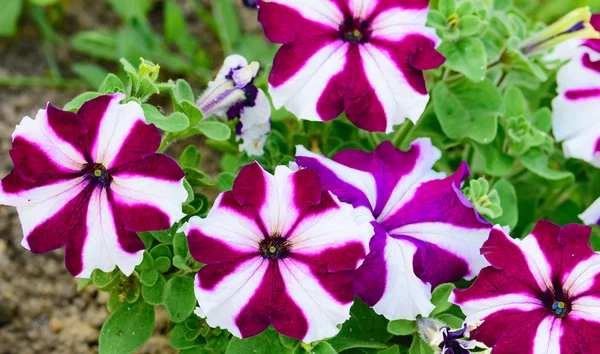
x,y
540,294
278,251
364,57
88,181
426,231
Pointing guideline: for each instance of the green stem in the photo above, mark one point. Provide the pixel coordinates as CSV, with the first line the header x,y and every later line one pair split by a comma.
x,y
402,133
42,82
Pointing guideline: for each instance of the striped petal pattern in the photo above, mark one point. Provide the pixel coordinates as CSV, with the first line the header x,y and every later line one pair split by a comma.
x,y
364,57
279,251
540,294
427,233
88,181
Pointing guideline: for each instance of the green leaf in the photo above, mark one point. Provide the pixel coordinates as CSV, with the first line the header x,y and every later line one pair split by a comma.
x,y
91,74
323,348
494,45
467,56
439,298
83,283
542,120
228,24
391,350
402,327
190,157
127,329
537,162
451,320
180,245
154,294
265,343
447,7
77,102
131,9
162,264
103,279
178,340
508,202
364,329
514,102
160,251
111,84
490,159
215,130
183,91
193,113
100,44
179,298
225,181
174,123
468,110
9,17
469,26
149,277
418,346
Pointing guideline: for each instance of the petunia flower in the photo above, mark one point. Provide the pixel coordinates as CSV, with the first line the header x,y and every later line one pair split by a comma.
x,y
426,232
574,109
233,94
540,294
364,57
88,181
278,251
254,122
592,214
441,338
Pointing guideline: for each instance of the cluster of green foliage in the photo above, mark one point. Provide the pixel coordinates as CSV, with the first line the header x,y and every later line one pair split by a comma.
x,y
490,107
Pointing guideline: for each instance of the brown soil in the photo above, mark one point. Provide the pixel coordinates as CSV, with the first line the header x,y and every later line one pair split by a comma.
x,y
40,308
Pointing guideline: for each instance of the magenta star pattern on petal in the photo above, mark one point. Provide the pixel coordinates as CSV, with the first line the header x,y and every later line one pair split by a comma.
x,y
278,251
540,294
88,181
426,232
364,57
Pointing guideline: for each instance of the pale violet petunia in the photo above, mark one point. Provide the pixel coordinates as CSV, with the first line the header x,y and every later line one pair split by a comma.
x,y
278,251
426,232
540,294
364,57
88,181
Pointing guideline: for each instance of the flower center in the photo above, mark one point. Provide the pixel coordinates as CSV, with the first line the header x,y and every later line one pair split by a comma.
x,y
274,247
355,31
97,174
560,309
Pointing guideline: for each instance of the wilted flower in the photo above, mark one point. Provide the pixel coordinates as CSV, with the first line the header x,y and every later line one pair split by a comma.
x,y
540,294
592,214
362,57
442,338
233,94
426,232
89,181
575,110
278,251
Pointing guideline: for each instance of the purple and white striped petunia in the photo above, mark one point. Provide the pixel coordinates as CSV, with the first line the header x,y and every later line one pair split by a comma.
x,y
278,251
426,232
364,57
540,294
88,181
574,120
592,214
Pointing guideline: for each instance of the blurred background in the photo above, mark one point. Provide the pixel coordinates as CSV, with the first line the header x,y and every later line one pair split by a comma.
x,y
53,50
